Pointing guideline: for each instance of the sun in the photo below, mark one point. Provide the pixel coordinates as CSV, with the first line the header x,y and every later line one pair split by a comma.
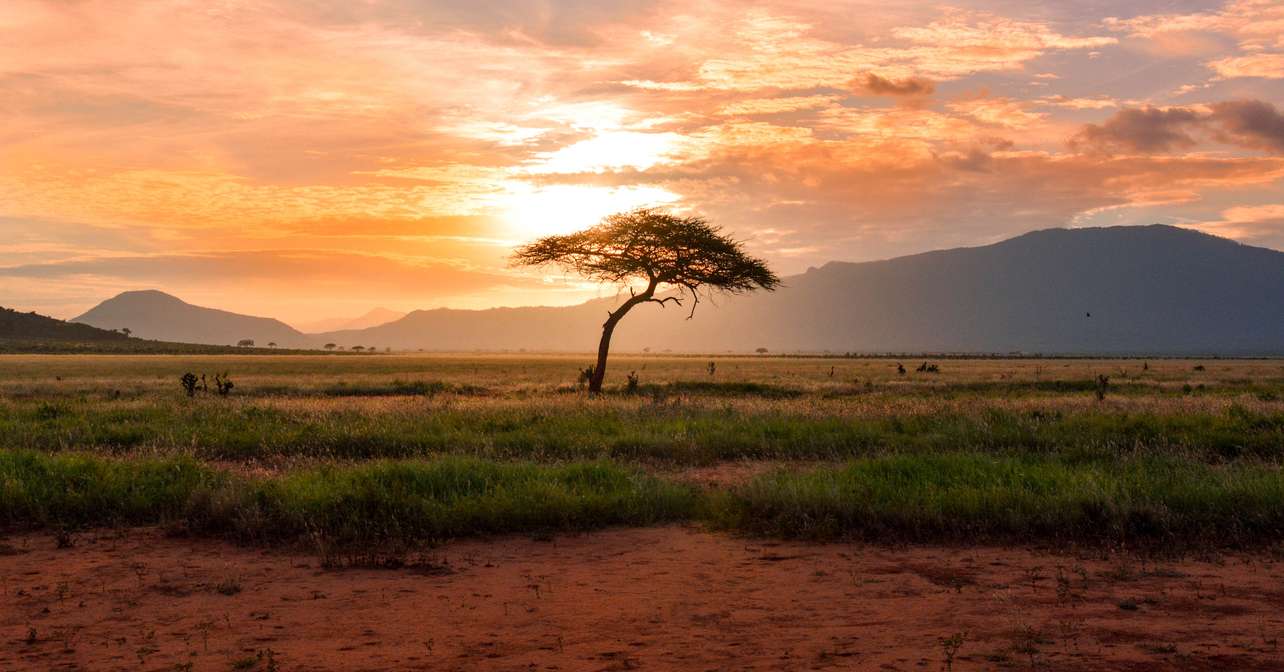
x,y
531,211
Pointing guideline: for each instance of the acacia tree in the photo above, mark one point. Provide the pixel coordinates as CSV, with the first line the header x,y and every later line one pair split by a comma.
x,y
686,256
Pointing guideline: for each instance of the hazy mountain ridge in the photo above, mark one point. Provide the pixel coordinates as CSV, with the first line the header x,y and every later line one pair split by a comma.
x,y
1148,289
371,318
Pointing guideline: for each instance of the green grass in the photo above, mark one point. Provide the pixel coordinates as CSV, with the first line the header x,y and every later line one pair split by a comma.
x,y
642,432
1133,501
369,503
969,497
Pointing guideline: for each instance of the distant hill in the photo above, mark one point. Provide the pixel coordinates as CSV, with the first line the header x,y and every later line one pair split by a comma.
x,y
1117,290
29,333
373,318
156,315
31,326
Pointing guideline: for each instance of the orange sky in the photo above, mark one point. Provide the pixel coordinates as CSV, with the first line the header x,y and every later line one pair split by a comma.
x,y
313,159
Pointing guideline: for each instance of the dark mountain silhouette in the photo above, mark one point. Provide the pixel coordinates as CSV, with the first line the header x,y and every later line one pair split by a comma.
x,y
16,326
156,315
1121,290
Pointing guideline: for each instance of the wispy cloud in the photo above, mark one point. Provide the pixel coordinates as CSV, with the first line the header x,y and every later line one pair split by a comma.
x,y
315,148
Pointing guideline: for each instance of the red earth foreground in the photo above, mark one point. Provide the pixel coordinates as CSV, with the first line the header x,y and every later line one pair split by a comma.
x,y
671,598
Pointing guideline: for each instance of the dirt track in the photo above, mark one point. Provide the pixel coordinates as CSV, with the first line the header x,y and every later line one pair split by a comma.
x,y
659,599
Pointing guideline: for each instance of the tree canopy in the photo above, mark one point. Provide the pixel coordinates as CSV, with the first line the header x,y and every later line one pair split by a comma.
x,y
648,244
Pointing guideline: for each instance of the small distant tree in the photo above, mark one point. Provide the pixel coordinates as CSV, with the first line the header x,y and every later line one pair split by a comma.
x,y
271,344
331,346
761,351
357,348
245,343
684,254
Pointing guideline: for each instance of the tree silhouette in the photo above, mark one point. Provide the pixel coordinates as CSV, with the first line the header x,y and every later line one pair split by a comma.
x,y
245,343
126,331
272,344
686,254
330,346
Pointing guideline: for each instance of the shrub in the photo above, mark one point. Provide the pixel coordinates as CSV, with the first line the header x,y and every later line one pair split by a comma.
x,y
188,381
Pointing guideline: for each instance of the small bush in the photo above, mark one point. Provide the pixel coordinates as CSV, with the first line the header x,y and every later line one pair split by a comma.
x,y
188,381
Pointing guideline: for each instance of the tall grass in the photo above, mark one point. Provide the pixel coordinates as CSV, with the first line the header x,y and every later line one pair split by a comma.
x,y
1135,501
968,497
380,501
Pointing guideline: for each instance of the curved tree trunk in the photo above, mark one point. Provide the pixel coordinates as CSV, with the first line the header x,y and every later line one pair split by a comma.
x,y
603,347
608,328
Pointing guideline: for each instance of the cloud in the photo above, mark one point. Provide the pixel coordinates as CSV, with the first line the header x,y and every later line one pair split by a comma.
x,y
295,144
910,86
756,106
1257,224
1267,66
1252,124
1146,129
1255,27
772,51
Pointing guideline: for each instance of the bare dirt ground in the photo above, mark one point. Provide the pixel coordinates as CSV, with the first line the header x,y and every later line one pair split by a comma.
x,y
672,598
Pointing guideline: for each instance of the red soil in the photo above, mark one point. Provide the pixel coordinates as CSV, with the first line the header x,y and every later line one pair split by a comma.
x,y
662,599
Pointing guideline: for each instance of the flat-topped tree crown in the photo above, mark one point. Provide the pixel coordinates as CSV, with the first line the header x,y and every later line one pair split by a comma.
x,y
686,253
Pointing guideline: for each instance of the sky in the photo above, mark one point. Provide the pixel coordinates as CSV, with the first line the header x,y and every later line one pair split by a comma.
x,y
310,159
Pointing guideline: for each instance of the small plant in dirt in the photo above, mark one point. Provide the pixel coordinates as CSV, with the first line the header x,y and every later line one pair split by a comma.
x,y
264,660
1103,386
229,586
950,648
631,383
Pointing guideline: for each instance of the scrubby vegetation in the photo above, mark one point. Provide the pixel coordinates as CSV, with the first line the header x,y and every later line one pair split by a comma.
x,y
415,448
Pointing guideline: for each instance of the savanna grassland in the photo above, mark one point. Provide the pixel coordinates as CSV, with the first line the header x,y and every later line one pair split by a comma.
x,y
740,464
413,448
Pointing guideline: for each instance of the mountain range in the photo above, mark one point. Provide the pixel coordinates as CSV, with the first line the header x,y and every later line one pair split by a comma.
x,y
372,318
1116,290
